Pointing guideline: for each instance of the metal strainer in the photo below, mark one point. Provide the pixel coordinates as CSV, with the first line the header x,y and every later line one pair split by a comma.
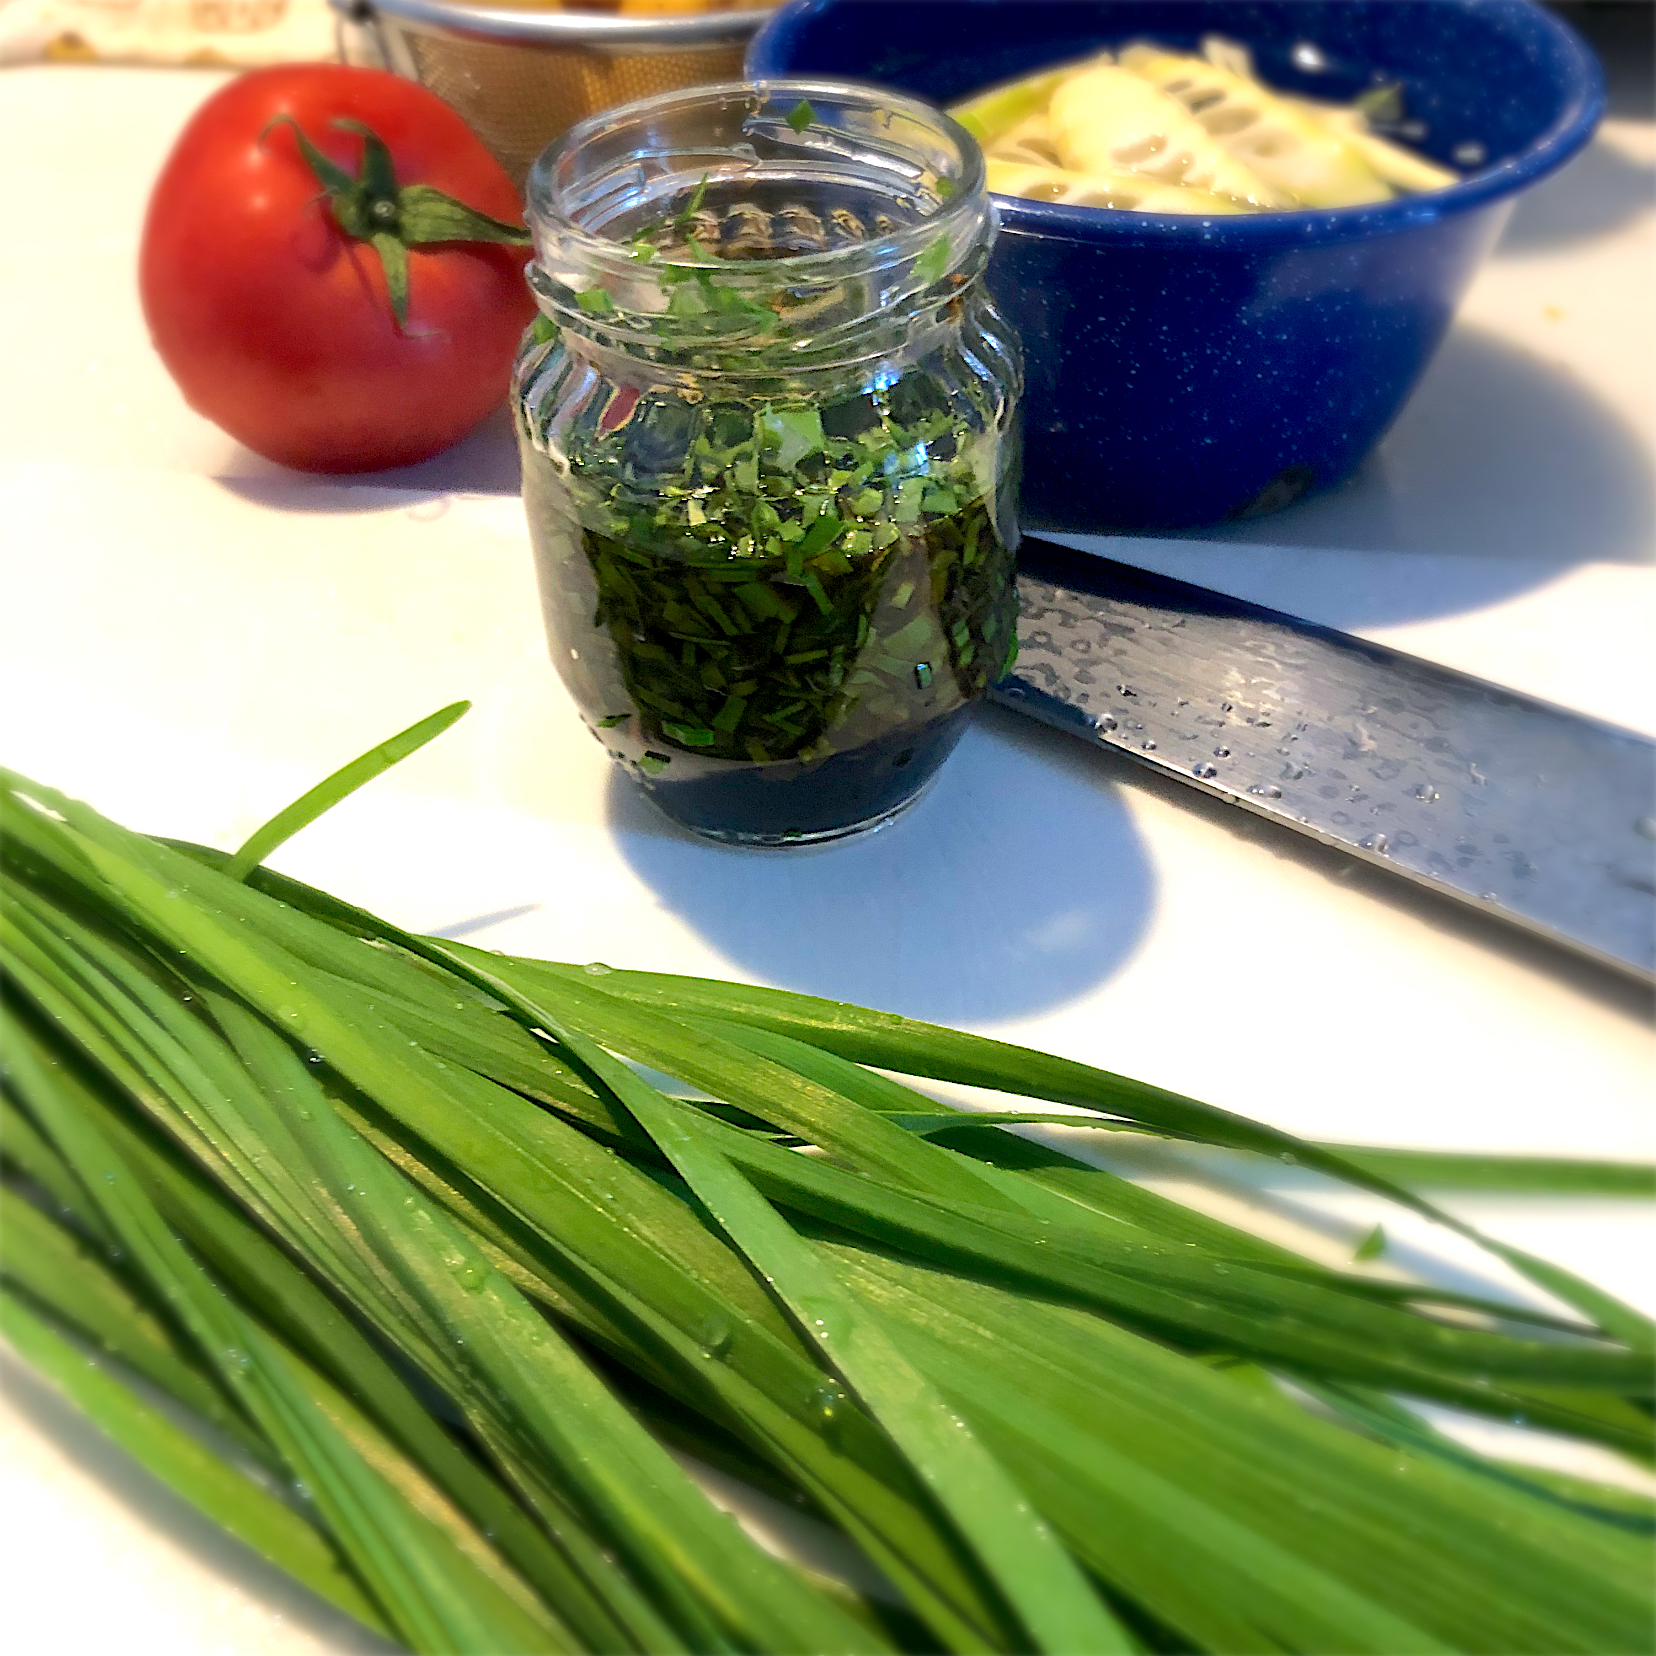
x,y
519,77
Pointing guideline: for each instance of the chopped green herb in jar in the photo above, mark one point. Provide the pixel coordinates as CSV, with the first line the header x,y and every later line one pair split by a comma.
x,y
756,569
772,510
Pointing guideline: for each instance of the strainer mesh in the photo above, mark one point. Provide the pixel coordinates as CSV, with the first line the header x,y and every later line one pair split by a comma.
x,y
517,99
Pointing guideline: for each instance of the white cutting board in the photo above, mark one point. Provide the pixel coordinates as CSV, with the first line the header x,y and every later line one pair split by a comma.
x,y
193,637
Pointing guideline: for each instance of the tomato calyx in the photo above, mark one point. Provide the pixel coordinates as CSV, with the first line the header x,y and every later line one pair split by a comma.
x,y
391,218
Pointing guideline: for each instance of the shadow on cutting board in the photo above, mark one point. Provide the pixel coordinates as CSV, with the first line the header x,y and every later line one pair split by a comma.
x,y
1601,190
484,461
1604,187
277,1595
981,903
1505,467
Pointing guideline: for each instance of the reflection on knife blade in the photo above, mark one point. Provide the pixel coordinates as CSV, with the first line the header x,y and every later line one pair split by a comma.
x,y
1537,815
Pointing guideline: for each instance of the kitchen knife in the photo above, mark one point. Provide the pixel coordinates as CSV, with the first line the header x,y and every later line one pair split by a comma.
x,y
1526,811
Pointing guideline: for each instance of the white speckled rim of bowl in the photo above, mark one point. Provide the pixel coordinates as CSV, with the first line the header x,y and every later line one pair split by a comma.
x,y
961,216
1583,108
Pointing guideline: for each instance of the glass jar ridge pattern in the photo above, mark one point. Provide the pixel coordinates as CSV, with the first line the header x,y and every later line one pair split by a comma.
x,y
770,447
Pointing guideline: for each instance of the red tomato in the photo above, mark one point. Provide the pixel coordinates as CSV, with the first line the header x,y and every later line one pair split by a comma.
x,y
277,325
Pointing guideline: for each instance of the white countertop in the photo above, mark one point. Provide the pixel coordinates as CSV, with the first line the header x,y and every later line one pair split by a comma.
x,y
194,636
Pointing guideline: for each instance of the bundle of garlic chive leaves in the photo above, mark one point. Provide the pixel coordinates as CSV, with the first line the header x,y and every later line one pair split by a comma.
x,y
381,1251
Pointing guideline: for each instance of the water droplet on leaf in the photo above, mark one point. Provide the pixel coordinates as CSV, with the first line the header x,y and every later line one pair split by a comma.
x,y
715,1337
826,1402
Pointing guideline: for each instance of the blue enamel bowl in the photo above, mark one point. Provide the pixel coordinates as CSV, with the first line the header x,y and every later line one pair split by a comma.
x,y
1186,372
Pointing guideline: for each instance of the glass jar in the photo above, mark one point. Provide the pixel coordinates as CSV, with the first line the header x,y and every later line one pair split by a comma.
x,y
769,429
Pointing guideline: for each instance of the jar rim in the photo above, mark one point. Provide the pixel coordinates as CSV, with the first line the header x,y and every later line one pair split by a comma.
x,y
967,201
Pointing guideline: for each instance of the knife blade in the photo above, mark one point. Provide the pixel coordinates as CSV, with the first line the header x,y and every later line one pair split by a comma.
x,y
1524,810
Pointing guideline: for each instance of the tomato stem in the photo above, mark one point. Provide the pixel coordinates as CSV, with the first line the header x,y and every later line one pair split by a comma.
x,y
391,218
